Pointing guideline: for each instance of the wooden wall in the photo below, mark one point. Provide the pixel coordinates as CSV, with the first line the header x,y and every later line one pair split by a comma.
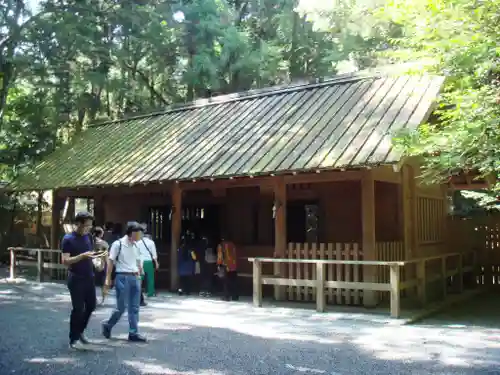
x,y
246,213
432,211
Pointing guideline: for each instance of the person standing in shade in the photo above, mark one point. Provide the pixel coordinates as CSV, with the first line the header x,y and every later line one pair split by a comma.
x,y
124,255
150,263
186,259
109,234
210,270
227,262
77,255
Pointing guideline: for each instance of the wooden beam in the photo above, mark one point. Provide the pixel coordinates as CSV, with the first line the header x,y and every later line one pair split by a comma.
x,y
69,215
58,203
334,176
55,230
386,173
409,203
99,213
268,182
395,281
93,192
175,234
280,235
218,183
369,239
218,193
473,186
257,284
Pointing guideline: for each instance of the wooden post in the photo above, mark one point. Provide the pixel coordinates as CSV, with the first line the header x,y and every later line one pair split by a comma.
x,y
369,240
409,211
12,264
55,230
71,210
320,287
443,274
280,235
395,292
175,234
99,212
39,266
409,224
422,282
257,284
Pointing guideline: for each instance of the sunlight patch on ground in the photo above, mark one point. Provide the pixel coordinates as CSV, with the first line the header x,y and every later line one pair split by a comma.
x,y
456,348
164,324
17,280
150,369
309,370
62,360
10,297
243,322
450,345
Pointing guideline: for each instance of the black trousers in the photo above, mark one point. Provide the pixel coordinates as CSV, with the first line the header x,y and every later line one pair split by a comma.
x,y
186,283
83,299
207,274
231,290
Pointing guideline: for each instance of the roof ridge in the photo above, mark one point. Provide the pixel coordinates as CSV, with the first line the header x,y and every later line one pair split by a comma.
x,y
252,94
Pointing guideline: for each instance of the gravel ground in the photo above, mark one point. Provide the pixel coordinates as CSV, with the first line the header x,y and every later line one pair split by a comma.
x,y
191,336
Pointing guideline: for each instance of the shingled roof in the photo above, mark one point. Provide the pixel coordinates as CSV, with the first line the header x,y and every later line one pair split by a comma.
x,y
340,123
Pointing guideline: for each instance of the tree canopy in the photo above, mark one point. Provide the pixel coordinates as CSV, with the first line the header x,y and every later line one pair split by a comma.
x,y
66,64
458,38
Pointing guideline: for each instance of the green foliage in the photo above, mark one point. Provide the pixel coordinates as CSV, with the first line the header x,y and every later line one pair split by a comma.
x,y
64,65
470,202
458,38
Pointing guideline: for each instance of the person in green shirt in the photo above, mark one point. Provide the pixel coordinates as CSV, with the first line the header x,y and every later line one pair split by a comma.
x,y
150,263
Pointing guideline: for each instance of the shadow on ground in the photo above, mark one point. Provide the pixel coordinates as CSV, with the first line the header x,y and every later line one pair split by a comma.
x,y
191,336
483,311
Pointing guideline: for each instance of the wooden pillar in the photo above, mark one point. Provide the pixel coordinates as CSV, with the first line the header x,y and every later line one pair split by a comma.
x,y
280,235
99,213
409,197
70,210
369,239
176,193
55,230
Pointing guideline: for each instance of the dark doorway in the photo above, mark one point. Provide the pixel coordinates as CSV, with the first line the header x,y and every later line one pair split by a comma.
x,y
302,221
203,220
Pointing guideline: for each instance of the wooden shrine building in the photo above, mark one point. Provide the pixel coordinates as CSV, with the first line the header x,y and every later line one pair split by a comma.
x,y
302,171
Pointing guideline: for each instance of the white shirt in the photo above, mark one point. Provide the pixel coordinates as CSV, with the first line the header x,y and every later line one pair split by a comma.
x,y
210,256
129,257
144,244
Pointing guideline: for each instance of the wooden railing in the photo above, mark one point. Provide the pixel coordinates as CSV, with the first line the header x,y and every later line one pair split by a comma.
x,y
385,251
394,286
40,264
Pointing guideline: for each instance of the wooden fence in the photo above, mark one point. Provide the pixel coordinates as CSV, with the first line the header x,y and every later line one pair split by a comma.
x,y
481,234
346,272
452,274
42,260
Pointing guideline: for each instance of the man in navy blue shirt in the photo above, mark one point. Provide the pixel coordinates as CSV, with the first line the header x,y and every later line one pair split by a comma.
x,y
77,252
